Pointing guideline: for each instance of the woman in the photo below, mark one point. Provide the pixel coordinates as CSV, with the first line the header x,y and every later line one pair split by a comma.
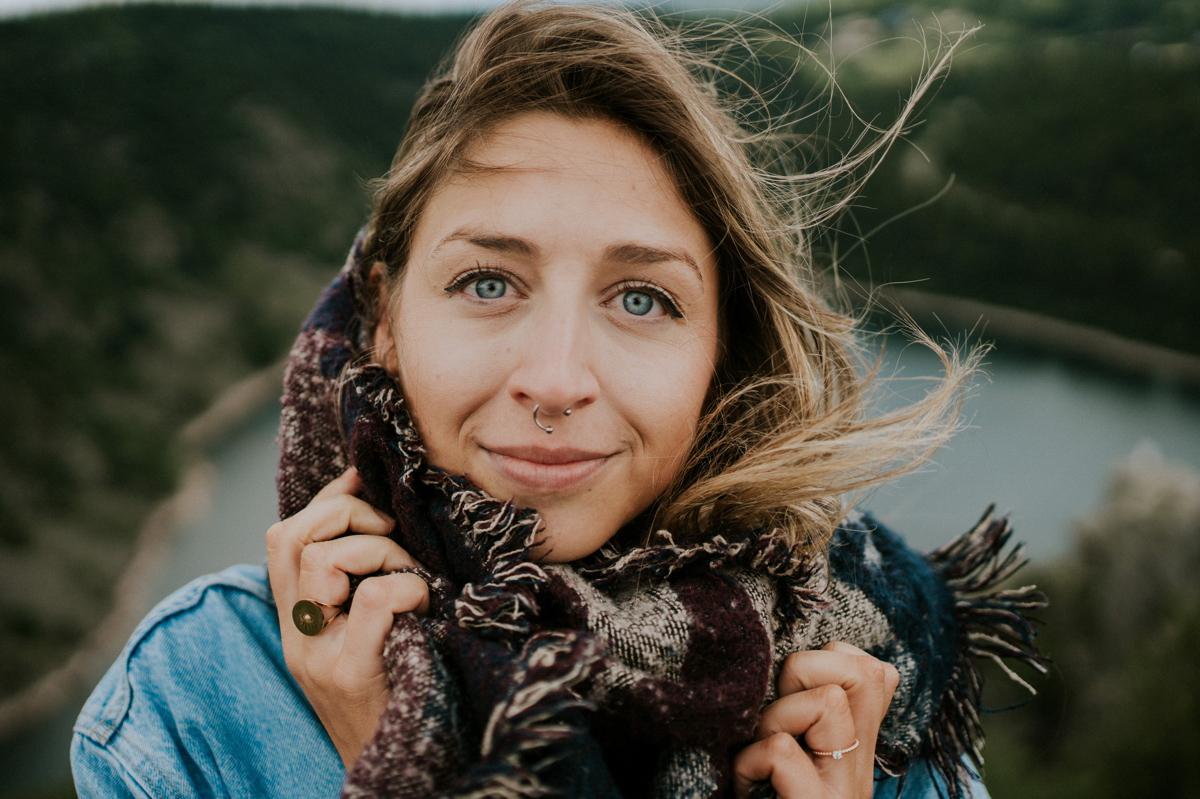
x,y
563,447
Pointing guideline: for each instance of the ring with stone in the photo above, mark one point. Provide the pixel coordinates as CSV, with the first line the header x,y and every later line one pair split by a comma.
x,y
837,754
309,615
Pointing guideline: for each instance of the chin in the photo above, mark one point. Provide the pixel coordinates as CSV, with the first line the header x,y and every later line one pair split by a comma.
x,y
577,539
562,549
569,542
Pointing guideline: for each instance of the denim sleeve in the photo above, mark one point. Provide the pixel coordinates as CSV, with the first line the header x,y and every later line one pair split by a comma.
x,y
201,703
99,775
922,782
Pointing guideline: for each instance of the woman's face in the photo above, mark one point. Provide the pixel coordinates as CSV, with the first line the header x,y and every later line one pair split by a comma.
x,y
567,273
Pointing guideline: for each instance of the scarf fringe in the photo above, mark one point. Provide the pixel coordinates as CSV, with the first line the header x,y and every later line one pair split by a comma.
x,y
371,384
505,604
525,734
768,552
992,624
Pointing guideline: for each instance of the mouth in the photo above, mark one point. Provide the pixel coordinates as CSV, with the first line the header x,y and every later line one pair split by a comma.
x,y
546,469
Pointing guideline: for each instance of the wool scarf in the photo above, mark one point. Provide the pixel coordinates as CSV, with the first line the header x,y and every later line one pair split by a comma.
x,y
641,669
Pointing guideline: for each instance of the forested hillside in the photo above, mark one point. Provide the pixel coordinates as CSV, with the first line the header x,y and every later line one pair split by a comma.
x,y
176,187
178,183
1071,132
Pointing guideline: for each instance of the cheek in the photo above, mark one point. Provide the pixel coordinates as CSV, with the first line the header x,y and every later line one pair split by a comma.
x,y
671,392
444,377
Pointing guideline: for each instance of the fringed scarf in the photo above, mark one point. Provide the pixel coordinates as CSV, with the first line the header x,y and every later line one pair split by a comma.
x,y
640,670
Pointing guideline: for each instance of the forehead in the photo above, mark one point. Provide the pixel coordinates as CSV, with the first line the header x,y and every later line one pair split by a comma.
x,y
590,176
544,140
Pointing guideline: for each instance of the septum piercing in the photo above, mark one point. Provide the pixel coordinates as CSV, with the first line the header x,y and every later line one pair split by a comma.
x,y
538,407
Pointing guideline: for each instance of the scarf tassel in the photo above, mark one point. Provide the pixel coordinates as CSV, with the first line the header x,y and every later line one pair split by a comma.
x,y
992,624
533,727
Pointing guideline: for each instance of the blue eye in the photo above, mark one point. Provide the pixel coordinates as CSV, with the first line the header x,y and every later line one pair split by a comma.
x,y
638,303
489,288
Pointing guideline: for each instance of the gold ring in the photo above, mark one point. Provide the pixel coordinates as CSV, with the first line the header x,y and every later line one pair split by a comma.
x,y
837,754
309,615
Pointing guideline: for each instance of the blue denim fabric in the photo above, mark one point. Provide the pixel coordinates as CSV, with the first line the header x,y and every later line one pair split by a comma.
x,y
922,783
201,703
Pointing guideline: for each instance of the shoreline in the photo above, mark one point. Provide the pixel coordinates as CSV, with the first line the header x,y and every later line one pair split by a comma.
x,y
49,693
1093,346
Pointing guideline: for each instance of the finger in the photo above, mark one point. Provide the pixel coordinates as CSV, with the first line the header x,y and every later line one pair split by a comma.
x,y
808,669
868,682
844,648
777,758
324,520
348,482
376,603
332,517
877,671
326,566
822,715
321,521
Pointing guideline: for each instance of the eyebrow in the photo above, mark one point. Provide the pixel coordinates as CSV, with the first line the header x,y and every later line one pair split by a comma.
x,y
634,254
510,245
641,254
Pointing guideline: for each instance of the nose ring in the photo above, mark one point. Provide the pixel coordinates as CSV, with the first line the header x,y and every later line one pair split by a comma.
x,y
538,407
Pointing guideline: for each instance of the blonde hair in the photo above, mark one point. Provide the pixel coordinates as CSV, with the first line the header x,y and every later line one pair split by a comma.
x,y
787,429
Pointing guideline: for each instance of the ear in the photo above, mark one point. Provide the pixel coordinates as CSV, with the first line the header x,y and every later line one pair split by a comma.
x,y
383,343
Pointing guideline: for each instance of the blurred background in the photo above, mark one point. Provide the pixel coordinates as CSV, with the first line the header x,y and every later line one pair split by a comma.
x,y
178,182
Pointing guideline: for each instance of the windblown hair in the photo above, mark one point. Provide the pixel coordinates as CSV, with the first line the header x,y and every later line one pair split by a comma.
x,y
788,429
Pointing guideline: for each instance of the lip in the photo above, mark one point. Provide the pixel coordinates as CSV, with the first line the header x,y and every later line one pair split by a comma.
x,y
547,469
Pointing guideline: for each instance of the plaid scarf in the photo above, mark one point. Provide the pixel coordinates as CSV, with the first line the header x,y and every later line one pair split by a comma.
x,y
641,669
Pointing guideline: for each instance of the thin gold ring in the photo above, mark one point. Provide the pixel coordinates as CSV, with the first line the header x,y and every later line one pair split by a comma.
x,y
309,615
837,754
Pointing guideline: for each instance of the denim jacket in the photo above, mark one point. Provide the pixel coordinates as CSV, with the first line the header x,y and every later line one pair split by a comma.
x,y
201,703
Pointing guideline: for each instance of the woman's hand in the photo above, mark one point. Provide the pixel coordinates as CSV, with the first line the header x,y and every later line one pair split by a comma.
x,y
341,668
830,698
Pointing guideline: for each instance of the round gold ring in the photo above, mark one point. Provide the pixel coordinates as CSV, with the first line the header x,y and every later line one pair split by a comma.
x,y
309,615
837,754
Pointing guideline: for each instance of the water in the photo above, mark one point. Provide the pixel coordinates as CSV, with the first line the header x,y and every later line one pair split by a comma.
x,y
231,529
241,507
1043,438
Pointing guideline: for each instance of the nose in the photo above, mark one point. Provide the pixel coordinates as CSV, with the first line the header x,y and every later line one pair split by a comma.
x,y
555,370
